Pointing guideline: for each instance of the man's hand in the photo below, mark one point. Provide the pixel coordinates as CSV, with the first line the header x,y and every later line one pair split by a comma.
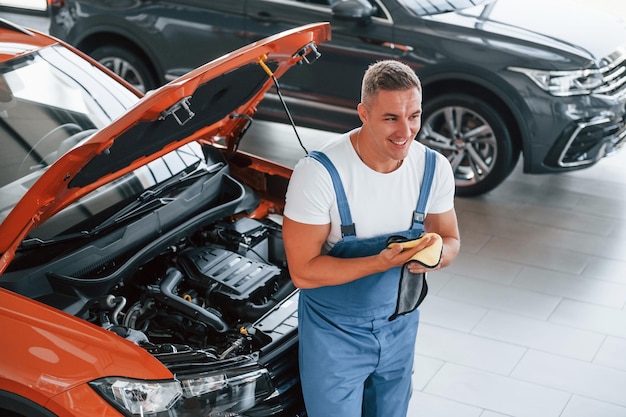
x,y
427,248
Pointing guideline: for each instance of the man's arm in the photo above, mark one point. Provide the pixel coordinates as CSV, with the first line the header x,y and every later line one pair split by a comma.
x,y
310,269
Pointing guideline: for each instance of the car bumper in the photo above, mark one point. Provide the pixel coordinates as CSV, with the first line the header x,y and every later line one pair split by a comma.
x,y
585,142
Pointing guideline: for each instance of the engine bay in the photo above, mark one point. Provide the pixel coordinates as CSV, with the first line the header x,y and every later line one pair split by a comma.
x,y
205,294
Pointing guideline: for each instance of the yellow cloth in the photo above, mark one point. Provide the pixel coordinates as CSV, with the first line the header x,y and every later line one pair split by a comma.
x,y
430,256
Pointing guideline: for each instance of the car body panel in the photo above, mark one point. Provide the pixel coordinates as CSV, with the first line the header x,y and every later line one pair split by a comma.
x,y
537,22
82,400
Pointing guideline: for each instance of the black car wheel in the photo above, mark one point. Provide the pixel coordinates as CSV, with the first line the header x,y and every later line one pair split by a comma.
x,y
127,65
474,138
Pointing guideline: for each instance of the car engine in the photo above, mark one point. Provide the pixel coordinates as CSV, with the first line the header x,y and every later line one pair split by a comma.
x,y
204,293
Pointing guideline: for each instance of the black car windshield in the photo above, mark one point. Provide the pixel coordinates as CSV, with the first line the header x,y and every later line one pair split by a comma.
x,y
430,7
50,100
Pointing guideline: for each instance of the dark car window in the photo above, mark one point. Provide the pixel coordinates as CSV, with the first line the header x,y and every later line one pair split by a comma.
x,y
45,102
430,7
322,2
49,102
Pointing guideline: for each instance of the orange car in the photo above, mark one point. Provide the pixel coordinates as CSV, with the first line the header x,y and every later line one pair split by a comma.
x,y
141,261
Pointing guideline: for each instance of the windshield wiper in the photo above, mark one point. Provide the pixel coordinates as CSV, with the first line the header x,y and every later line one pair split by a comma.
x,y
146,202
135,210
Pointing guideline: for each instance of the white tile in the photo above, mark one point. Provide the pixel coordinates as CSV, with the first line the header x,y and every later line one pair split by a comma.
x,y
619,230
565,219
500,223
585,407
578,243
425,405
528,252
591,317
540,335
495,207
488,413
424,369
437,280
474,266
472,240
464,349
572,286
536,190
606,269
497,393
450,314
612,354
574,376
607,206
500,297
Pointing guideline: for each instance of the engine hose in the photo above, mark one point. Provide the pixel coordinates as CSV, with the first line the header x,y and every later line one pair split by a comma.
x,y
120,303
172,278
252,310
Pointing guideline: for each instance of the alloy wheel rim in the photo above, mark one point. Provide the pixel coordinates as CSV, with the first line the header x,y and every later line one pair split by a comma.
x,y
466,139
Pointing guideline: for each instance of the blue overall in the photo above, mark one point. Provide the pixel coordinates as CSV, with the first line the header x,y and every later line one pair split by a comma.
x,y
354,360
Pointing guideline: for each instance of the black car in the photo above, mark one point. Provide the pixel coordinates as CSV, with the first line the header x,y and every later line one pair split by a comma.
x,y
501,77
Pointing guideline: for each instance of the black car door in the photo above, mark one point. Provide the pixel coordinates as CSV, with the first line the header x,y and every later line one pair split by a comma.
x,y
197,31
332,84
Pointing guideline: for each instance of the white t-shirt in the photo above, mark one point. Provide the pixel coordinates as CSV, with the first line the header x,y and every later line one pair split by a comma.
x,y
379,203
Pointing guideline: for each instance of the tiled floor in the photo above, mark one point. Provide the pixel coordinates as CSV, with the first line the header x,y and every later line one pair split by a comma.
x,y
531,318
530,321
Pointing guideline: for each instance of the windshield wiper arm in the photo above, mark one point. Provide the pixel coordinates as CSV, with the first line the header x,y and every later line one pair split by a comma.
x,y
146,202
138,210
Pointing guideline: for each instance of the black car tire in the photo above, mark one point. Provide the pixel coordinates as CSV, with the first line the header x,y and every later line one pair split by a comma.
x,y
127,64
473,136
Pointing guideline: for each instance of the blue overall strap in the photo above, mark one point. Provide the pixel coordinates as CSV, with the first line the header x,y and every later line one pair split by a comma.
x,y
348,230
427,182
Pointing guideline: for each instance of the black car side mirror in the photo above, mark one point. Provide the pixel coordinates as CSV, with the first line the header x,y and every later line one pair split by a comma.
x,y
357,10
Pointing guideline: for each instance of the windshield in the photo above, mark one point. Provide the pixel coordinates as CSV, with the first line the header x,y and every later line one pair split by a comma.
x,y
49,101
430,7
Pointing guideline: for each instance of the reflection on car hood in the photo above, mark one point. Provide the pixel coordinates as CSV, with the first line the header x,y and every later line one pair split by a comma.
x,y
213,101
554,23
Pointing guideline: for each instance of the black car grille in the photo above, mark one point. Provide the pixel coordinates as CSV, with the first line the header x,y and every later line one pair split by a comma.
x,y
614,75
283,368
590,141
280,358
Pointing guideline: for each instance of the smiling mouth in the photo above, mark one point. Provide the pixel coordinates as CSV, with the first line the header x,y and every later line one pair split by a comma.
x,y
398,143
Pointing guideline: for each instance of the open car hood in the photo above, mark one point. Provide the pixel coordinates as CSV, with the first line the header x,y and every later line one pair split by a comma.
x,y
214,101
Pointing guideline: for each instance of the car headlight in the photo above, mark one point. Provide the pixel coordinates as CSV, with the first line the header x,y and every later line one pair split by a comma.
x,y
229,392
138,397
564,83
226,392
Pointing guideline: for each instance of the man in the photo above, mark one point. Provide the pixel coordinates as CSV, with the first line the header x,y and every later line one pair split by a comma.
x,y
343,204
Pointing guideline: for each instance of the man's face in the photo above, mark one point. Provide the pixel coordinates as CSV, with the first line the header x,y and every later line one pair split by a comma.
x,y
392,119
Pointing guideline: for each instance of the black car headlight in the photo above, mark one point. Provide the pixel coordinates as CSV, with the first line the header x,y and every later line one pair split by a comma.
x,y
223,393
204,394
564,83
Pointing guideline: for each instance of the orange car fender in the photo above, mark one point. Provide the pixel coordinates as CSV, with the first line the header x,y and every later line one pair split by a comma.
x,y
46,352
